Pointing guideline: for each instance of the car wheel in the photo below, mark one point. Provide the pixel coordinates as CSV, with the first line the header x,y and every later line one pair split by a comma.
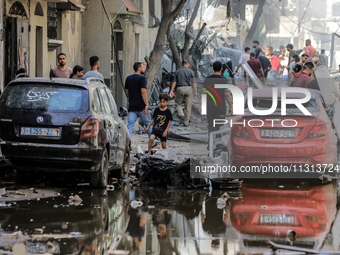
x,y
99,178
126,165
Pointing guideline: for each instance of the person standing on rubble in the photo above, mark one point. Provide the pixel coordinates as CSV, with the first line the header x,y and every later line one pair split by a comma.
x,y
135,91
184,80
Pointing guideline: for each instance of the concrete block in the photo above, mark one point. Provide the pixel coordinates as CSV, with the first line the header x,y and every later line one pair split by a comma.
x,y
165,154
328,87
336,118
137,149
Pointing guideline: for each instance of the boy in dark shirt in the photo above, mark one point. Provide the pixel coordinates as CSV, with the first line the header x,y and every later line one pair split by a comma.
x,y
161,119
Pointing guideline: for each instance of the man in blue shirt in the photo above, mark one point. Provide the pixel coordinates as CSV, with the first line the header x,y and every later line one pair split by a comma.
x,y
135,90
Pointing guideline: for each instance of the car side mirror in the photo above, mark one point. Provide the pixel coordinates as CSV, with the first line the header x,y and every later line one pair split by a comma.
x,y
122,112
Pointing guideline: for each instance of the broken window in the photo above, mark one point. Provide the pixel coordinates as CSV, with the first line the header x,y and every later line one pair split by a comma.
x,y
151,12
52,20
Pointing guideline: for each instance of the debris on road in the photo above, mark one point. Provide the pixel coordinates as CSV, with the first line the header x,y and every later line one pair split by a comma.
x,y
74,200
154,171
134,204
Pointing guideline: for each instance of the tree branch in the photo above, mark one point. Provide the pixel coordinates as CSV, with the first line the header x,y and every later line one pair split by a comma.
x,y
175,54
188,30
178,9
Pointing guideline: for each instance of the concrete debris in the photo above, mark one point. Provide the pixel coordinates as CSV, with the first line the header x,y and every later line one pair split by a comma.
x,y
2,191
74,200
167,154
19,249
5,205
152,171
39,231
225,196
83,184
336,117
64,226
122,252
50,245
136,204
220,203
110,187
137,149
138,128
329,89
325,178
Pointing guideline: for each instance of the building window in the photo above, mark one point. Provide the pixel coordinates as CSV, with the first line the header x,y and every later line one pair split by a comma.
x,y
17,9
117,26
52,18
39,10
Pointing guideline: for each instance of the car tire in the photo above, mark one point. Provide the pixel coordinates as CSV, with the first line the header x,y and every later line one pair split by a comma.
x,y
126,164
99,178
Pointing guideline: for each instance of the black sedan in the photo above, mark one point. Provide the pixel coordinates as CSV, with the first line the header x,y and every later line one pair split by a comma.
x,y
63,125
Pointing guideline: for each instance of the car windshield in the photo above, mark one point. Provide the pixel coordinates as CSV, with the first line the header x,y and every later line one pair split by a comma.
x,y
266,103
45,97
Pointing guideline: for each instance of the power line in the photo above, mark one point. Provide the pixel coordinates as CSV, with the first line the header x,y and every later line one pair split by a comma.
x,y
311,31
301,19
288,30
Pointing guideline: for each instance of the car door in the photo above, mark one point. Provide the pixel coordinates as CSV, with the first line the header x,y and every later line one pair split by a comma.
x,y
122,130
111,125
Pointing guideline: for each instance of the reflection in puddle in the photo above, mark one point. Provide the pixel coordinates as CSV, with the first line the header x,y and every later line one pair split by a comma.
x,y
298,214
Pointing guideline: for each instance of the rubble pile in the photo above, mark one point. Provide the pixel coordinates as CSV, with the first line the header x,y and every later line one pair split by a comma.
x,y
154,171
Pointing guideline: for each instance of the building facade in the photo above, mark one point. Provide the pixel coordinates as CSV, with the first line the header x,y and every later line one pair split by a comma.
x,y
119,32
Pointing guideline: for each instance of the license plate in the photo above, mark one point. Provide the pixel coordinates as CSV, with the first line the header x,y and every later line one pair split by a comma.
x,y
277,133
276,219
33,131
42,248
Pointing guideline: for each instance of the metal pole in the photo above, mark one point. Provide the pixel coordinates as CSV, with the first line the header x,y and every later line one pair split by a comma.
x,y
332,50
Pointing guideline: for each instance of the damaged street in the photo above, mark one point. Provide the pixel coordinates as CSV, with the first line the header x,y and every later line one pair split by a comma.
x,y
187,127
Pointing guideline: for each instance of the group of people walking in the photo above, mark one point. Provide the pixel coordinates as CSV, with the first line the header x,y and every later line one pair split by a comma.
x,y
159,123
295,68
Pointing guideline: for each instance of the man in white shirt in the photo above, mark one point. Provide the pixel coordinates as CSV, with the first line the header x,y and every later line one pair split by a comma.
x,y
243,59
94,63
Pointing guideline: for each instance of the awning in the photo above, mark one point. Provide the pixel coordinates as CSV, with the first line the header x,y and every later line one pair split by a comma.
x,y
71,5
131,6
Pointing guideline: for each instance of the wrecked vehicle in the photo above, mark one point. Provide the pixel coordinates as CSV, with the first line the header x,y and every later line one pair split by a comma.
x,y
63,125
295,138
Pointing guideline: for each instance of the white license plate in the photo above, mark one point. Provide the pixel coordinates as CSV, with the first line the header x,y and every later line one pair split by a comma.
x,y
274,219
277,133
43,248
33,131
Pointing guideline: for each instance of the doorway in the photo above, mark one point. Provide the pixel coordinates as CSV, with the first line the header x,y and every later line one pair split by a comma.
x,y
16,45
39,52
118,68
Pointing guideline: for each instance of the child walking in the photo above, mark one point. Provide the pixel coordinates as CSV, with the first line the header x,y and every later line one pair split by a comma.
x,y
161,121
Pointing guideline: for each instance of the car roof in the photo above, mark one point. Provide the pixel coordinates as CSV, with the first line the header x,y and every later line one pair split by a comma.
x,y
89,82
268,93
